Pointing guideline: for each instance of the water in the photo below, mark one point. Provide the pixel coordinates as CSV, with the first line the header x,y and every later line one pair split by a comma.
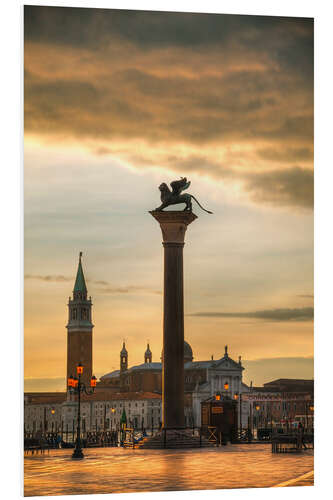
x,y
118,470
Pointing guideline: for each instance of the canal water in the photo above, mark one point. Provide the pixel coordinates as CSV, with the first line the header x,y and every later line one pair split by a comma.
x,y
119,470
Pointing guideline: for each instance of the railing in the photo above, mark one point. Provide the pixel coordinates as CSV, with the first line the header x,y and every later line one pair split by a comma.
x,y
292,442
265,434
48,440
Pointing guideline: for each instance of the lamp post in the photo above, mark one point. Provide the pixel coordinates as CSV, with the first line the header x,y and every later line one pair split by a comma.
x,y
78,387
112,411
257,407
238,397
45,421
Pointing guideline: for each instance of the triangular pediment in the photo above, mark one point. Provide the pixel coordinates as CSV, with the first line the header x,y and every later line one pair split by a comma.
x,y
227,363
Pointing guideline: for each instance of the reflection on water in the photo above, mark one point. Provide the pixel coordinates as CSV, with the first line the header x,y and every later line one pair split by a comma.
x,y
118,470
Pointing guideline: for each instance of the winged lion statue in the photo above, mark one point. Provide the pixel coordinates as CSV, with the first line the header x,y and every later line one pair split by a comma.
x,y
175,196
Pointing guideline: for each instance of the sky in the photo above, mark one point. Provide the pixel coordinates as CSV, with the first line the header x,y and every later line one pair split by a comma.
x,y
117,102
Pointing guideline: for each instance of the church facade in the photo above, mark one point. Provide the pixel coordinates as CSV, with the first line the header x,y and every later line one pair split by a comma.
x,y
202,379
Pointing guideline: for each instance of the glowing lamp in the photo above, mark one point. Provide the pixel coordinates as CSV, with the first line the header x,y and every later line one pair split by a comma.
x,y
113,410
311,407
53,411
70,381
75,382
236,396
226,386
93,381
257,407
218,397
79,369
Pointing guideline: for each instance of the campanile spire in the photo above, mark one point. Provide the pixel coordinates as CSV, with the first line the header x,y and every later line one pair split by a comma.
x,y
80,287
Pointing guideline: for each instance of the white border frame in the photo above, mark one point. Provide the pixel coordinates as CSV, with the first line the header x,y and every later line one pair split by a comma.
x,y
12,228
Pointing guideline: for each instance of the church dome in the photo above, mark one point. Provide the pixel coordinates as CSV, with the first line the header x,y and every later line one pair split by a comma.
x,y
188,353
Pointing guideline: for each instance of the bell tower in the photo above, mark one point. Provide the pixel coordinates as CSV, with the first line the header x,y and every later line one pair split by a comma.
x,y
79,329
148,354
123,358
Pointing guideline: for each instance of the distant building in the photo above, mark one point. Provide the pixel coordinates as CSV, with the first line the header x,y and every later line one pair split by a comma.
x,y
202,379
290,385
282,402
99,412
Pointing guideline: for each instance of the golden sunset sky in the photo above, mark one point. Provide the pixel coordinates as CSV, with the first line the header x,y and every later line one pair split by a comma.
x,y
117,102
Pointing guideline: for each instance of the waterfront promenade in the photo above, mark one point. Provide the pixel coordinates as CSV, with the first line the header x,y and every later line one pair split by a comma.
x,y
119,470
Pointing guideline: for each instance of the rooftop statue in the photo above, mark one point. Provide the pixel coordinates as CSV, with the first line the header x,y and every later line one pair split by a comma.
x,y
175,197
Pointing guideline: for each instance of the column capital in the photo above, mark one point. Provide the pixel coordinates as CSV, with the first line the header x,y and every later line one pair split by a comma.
x,y
173,224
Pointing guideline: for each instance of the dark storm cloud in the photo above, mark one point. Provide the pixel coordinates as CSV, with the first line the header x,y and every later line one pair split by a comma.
x,y
290,187
83,27
301,314
134,103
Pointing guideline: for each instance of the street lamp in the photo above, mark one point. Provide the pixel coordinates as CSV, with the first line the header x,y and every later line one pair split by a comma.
x,y
77,386
45,423
257,408
226,386
112,410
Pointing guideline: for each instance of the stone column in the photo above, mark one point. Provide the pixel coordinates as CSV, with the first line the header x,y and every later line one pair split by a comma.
x,y
173,225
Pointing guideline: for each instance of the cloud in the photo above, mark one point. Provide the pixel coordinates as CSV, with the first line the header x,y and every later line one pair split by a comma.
x,y
96,27
107,288
48,278
129,290
225,96
300,314
286,155
291,187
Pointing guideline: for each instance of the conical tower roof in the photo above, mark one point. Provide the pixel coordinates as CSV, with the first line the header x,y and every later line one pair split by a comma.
x,y
80,284
123,352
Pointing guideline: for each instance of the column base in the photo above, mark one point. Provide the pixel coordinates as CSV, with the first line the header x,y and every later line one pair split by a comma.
x,y
175,439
